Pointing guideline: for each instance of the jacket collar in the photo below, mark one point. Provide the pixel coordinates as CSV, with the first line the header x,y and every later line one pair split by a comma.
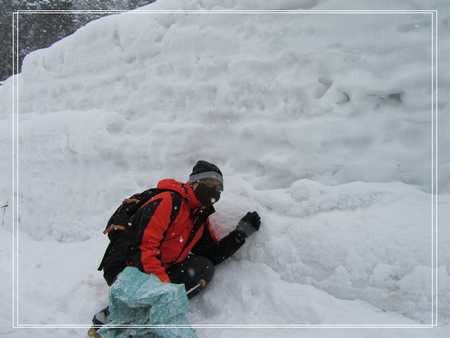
x,y
184,189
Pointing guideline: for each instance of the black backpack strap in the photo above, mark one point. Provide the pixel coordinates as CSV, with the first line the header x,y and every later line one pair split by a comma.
x,y
200,217
176,204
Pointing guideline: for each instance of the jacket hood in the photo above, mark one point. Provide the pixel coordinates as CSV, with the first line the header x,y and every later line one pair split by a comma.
x,y
184,189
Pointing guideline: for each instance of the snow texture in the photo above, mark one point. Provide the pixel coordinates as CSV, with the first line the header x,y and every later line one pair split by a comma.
x,y
320,122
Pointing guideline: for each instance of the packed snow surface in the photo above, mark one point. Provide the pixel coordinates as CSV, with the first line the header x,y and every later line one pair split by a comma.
x,y
320,122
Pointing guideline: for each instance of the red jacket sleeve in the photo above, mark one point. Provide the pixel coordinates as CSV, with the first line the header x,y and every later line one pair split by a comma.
x,y
153,235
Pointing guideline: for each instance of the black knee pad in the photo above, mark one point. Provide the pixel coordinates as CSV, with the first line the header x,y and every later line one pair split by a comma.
x,y
203,267
201,271
208,269
196,272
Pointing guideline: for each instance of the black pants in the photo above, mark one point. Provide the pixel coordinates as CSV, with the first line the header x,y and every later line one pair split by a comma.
x,y
195,273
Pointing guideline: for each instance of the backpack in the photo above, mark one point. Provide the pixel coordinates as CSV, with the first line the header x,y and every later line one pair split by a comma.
x,y
124,230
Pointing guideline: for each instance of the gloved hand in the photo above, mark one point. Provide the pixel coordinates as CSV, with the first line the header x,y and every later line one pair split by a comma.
x,y
249,223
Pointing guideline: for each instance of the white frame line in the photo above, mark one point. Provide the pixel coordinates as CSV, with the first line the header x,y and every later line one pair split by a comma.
x,y
12,173
436,163
432,174
16,162
229,11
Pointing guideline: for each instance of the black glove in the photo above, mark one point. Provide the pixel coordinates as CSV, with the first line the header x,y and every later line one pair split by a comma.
x,y
249,223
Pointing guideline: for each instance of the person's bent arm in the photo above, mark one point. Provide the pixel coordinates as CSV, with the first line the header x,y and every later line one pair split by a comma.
x,y
153,234
219,250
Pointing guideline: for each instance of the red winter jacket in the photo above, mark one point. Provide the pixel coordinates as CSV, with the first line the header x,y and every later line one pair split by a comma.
x,y
162,245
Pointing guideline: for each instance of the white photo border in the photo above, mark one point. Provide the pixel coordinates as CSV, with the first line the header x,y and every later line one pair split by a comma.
x,y
15,149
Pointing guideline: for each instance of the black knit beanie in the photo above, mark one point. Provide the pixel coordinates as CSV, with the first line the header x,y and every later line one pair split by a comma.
x,y
203,170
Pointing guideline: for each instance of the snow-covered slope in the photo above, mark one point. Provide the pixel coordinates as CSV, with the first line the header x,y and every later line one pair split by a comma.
x,y
320,122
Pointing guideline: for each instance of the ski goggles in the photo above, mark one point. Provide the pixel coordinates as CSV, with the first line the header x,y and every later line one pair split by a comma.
x,y
211,179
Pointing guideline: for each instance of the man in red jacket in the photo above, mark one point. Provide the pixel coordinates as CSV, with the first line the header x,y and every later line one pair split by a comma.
x,y
171,235
174,236
182,248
